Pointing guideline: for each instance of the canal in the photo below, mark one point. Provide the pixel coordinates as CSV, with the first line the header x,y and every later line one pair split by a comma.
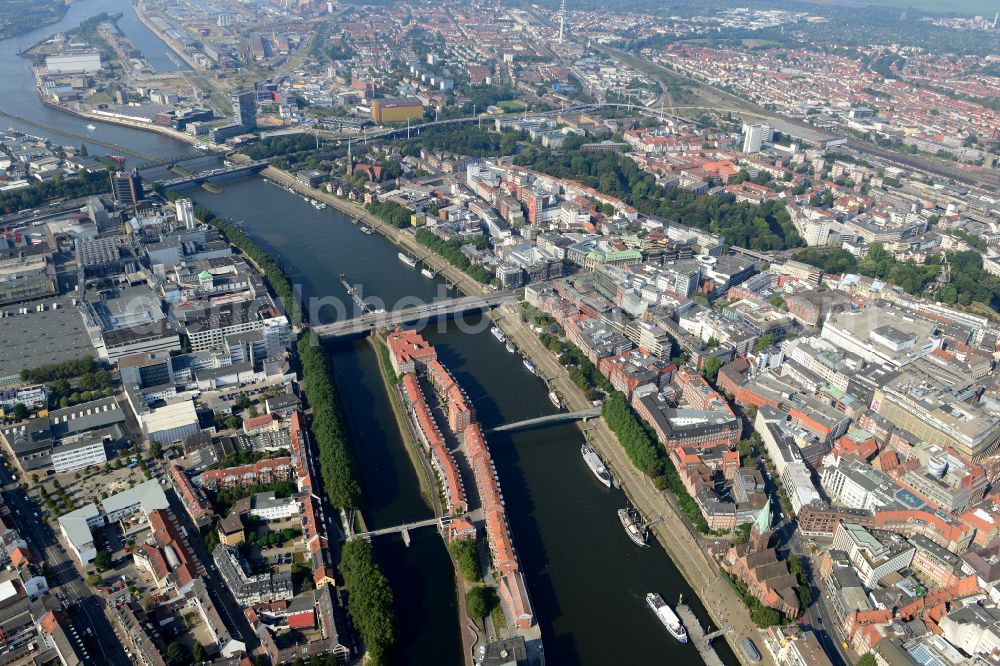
x,y
586,580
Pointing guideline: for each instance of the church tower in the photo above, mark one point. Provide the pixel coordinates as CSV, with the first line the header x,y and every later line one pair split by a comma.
x,y
760,533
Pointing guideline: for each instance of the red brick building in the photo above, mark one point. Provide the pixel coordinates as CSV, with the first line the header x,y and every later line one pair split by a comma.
x,y
265,471
408,351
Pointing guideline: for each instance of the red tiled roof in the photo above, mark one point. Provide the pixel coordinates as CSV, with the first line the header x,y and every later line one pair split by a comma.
x,y
303,620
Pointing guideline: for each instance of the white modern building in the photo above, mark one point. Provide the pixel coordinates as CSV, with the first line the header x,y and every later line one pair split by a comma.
x,y
753,137
872,559
268,507
69,456
209,328
75,61
857,485
185,213
974,629
170,423
75,528
885,336
798,482
146,497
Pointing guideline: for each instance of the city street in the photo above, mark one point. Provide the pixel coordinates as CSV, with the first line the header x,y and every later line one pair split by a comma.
x,y
818,617
85,609
682,547
720,601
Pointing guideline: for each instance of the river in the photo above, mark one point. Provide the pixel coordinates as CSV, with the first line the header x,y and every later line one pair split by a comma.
x,y
21,99
586,580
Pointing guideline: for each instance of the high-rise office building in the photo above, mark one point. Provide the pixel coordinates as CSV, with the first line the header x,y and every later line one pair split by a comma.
x,y
99,214
753,138
126,186
185,213
245,109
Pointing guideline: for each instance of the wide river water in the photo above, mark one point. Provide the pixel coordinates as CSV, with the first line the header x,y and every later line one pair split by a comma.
x,y
586,580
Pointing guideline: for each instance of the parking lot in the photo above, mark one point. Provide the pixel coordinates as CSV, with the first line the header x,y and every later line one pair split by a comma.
x,y
280,557
93,486
225,400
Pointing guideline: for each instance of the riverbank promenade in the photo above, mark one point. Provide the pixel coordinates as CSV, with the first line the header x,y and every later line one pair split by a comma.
x,y
673,532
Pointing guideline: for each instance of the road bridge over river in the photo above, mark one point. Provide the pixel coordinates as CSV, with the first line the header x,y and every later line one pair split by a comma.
x,y
204,176
443,308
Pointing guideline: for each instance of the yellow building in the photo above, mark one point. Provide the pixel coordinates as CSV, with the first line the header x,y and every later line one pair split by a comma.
x,y
397,109
231,529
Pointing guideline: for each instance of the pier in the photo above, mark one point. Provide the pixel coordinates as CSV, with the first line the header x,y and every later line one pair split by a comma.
x,y
561,417
701,641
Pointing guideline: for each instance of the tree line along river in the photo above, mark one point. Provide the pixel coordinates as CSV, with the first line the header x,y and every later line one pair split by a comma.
x,y
586,580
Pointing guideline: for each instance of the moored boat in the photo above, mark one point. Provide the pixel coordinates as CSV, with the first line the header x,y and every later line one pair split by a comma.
x,y
498,334
751,651
510,347
407,259
529,365
667,616
633,524
426,273
596,465
554,399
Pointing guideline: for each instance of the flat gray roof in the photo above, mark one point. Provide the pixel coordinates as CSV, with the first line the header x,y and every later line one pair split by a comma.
x,y
267,500
38,338
148,494
74,525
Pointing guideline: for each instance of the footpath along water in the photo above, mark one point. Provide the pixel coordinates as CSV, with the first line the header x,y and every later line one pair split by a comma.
x,y
586,579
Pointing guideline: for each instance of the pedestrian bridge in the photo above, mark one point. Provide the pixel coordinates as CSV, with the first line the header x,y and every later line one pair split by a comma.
x,y
443,308
561,417
442,524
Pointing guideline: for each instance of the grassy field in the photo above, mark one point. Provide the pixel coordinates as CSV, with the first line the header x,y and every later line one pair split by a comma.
x,y
99,98
511,106
754,43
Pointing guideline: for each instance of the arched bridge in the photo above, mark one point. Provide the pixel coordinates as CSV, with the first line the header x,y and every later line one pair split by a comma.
x,y
561,417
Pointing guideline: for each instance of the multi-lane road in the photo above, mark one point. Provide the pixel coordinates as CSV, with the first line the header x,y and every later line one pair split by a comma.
x,y
818,617
64,579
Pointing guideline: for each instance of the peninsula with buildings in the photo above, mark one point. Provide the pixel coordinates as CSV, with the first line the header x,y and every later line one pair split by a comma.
x,y
754,252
